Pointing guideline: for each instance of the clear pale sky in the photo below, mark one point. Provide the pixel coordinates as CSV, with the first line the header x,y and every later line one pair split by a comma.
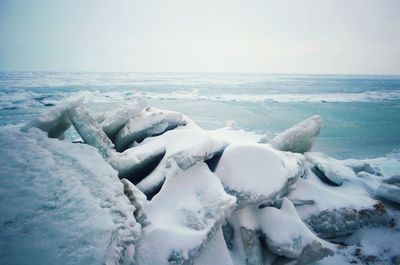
x,y
309,36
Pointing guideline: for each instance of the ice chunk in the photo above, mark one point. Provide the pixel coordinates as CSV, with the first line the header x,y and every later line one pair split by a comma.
x,y
184,148
214,252
90,130
286,234
61,203
252,246
362,165
54,121
137,199
183,220
257,173
300,137
338,210
345,221
117,119
334,170
150,123
137,162
389,192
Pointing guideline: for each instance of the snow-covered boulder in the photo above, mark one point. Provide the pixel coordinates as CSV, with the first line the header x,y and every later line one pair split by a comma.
x,y
286,235
54,121
329,169
114,121
183,220
61,203
257,173
150,122
300,137
90,130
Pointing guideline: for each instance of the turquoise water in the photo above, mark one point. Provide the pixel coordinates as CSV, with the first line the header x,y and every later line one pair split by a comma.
x,y
361,113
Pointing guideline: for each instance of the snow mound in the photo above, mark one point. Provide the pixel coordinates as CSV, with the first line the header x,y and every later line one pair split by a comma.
x,y
286,235
61,203
300,137
257,173
184,220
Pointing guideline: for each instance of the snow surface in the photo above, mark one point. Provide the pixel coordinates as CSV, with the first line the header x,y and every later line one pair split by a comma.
x,y
256,173
183,220
285,233
61,203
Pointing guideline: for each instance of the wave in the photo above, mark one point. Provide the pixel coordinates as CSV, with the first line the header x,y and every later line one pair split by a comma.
x,y
368,96
24,99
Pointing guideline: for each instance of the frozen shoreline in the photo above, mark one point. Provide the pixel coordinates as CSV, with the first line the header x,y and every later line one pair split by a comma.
x,y
199,184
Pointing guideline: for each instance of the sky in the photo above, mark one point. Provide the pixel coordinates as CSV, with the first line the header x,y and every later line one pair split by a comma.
x,y
262,36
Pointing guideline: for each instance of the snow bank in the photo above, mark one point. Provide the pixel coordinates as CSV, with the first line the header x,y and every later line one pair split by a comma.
x,y
299,138
61,203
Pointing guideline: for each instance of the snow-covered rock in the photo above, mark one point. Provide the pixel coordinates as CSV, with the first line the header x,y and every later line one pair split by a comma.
x,y
114,122
300,137
150,122
90,130
257,173
183,220
55,121
61,203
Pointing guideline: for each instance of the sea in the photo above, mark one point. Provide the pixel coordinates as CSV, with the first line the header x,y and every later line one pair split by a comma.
x,y
361,113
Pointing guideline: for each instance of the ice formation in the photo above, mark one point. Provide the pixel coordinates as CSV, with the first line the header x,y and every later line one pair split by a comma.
x,y
150,187
299,138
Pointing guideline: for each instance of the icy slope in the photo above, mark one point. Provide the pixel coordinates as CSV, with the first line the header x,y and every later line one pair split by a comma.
x,y
60,203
